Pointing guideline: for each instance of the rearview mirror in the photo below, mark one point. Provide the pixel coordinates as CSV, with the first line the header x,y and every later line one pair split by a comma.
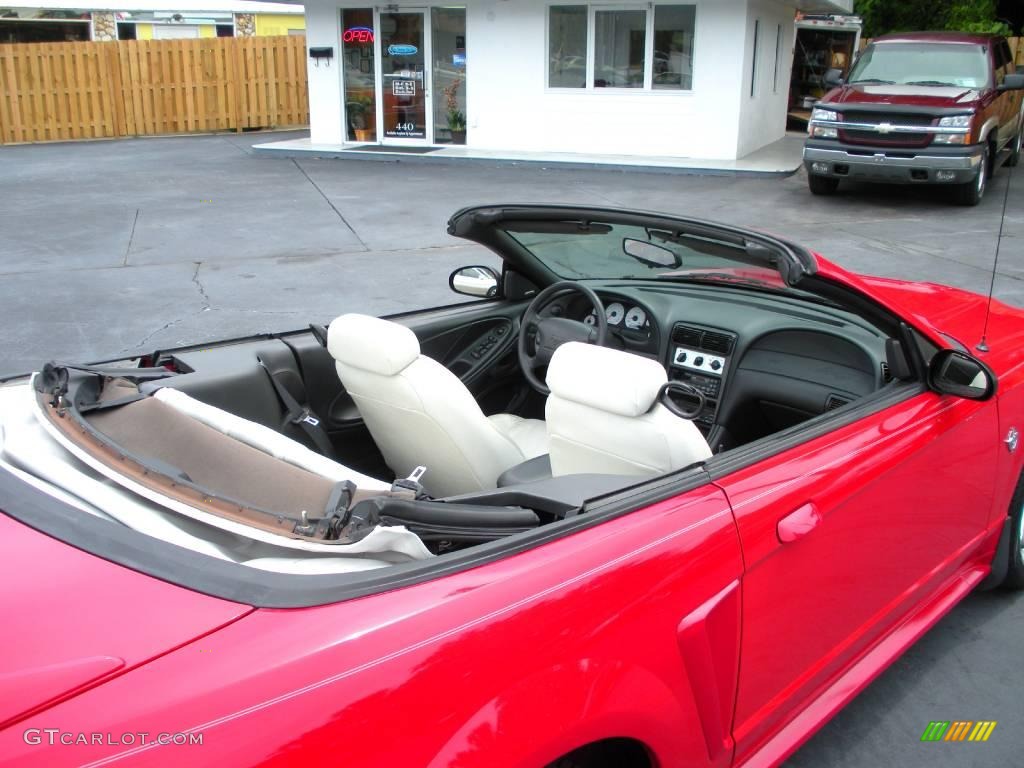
x,y
650,254
478,281
1012,83
957,373
833,78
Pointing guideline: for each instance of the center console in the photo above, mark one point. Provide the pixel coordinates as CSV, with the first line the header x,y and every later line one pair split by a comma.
x,y
700,357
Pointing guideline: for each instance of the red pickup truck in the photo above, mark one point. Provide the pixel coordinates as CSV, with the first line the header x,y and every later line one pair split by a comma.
x,y
922,108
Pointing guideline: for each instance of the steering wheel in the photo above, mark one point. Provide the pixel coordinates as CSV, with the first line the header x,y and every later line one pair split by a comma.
x,y
552,332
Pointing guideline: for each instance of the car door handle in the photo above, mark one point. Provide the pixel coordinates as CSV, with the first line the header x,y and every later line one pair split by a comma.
x,y
798,523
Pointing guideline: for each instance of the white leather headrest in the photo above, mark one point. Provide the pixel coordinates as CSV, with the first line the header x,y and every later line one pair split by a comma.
x,y
603,378
372,344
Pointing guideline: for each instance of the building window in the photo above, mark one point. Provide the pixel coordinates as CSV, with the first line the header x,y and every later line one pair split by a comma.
x,y
778,54
753,58
567,46
620,39
624,46
673,46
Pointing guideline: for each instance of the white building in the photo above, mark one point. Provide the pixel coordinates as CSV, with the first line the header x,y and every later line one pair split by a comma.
x,y
699,79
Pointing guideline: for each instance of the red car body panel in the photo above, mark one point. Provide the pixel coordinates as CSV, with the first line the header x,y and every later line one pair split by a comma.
x,y
690,625
579,638
82,621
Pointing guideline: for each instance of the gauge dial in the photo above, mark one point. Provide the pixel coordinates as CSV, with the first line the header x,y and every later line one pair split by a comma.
x,y
636,318
591,319
614,312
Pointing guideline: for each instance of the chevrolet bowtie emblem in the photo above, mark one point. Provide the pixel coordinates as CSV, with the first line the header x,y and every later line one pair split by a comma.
x,y
884,127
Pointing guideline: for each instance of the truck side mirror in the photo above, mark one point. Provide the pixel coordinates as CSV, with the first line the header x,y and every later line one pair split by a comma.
x,y
1013,83
833,78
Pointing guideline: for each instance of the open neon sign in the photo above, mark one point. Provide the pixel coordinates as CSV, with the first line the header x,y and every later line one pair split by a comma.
x,y
357,35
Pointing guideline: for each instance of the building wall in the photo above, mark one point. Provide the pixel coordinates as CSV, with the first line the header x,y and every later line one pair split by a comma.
x,y
509,106
278,23
323,28
763,114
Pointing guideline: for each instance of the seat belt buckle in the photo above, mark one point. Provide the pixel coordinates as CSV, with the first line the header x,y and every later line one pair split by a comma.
x,y
306,417
410,486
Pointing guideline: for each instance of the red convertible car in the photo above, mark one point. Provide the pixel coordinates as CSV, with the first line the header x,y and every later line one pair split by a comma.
x,y
670,493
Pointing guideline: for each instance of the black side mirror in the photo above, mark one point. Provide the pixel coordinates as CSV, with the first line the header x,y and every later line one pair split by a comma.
x,y
1012,83
478,281
833,78
956,373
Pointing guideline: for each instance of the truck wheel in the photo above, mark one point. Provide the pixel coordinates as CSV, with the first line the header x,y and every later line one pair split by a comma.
x,y
972,192
822,185
1015,572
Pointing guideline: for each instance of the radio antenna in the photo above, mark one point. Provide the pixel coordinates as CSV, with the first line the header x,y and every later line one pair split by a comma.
x,y
983,344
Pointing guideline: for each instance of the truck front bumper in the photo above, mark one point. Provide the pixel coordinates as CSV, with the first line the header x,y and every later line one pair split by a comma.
x,y
933,165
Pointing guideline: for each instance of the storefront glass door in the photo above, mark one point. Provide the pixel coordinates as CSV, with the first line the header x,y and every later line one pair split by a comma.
x,y
404,107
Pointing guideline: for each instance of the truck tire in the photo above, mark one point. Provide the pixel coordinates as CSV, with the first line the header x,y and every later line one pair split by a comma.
x,y
972,192
822,185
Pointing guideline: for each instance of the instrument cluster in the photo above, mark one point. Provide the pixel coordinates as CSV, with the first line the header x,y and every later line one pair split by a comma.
x,y
621,315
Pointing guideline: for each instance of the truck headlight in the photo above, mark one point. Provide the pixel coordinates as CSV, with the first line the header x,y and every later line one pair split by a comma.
x,y
954,121
826,115
824,132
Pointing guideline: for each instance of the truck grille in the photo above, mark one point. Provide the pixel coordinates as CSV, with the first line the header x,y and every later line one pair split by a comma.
x,y
877,139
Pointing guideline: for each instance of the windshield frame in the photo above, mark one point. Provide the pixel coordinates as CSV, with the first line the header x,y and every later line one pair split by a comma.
x,y
483,225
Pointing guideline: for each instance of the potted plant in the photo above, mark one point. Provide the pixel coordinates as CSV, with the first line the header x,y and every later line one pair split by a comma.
x,y
362,117
456,117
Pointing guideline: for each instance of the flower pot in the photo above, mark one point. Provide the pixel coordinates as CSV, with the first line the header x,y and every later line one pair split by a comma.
x,y
365,134
459,137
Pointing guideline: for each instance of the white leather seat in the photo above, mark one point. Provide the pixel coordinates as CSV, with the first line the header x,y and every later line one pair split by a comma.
x,y
602,416
419,413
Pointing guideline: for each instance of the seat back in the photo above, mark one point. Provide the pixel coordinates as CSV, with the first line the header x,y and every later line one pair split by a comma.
x,y
417,411
603,417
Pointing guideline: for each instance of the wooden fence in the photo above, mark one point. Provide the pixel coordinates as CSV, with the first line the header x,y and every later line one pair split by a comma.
x,y
88,90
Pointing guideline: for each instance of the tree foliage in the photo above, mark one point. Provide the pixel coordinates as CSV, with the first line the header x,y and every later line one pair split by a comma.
x,y
884,16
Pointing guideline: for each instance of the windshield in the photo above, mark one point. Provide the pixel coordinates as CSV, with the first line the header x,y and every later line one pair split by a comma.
x,y
956,64
585,250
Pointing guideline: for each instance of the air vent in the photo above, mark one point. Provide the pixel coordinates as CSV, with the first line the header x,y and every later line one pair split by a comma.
x,y
835,401
689,337
886,373
717,342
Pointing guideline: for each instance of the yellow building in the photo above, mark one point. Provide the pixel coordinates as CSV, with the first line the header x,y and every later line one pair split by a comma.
x,y
58,20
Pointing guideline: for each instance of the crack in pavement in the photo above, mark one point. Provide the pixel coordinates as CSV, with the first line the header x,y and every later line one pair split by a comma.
x,y
131,237
204,297
202,291
333,206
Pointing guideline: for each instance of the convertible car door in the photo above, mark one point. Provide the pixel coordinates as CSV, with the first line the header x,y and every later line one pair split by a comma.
x,y
841,537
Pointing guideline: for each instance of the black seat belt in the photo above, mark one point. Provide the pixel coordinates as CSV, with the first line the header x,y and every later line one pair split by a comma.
x,y
300,415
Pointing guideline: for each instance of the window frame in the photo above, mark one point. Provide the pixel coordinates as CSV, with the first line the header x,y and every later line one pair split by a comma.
x,y
649,10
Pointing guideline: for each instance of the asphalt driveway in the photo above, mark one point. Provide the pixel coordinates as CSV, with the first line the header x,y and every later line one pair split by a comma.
x,y
108,248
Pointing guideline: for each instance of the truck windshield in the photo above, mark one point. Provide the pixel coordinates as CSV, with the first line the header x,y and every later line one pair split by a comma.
x,y
937,64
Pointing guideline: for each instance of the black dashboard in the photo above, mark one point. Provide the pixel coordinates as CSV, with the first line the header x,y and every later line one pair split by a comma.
x,y
763,362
